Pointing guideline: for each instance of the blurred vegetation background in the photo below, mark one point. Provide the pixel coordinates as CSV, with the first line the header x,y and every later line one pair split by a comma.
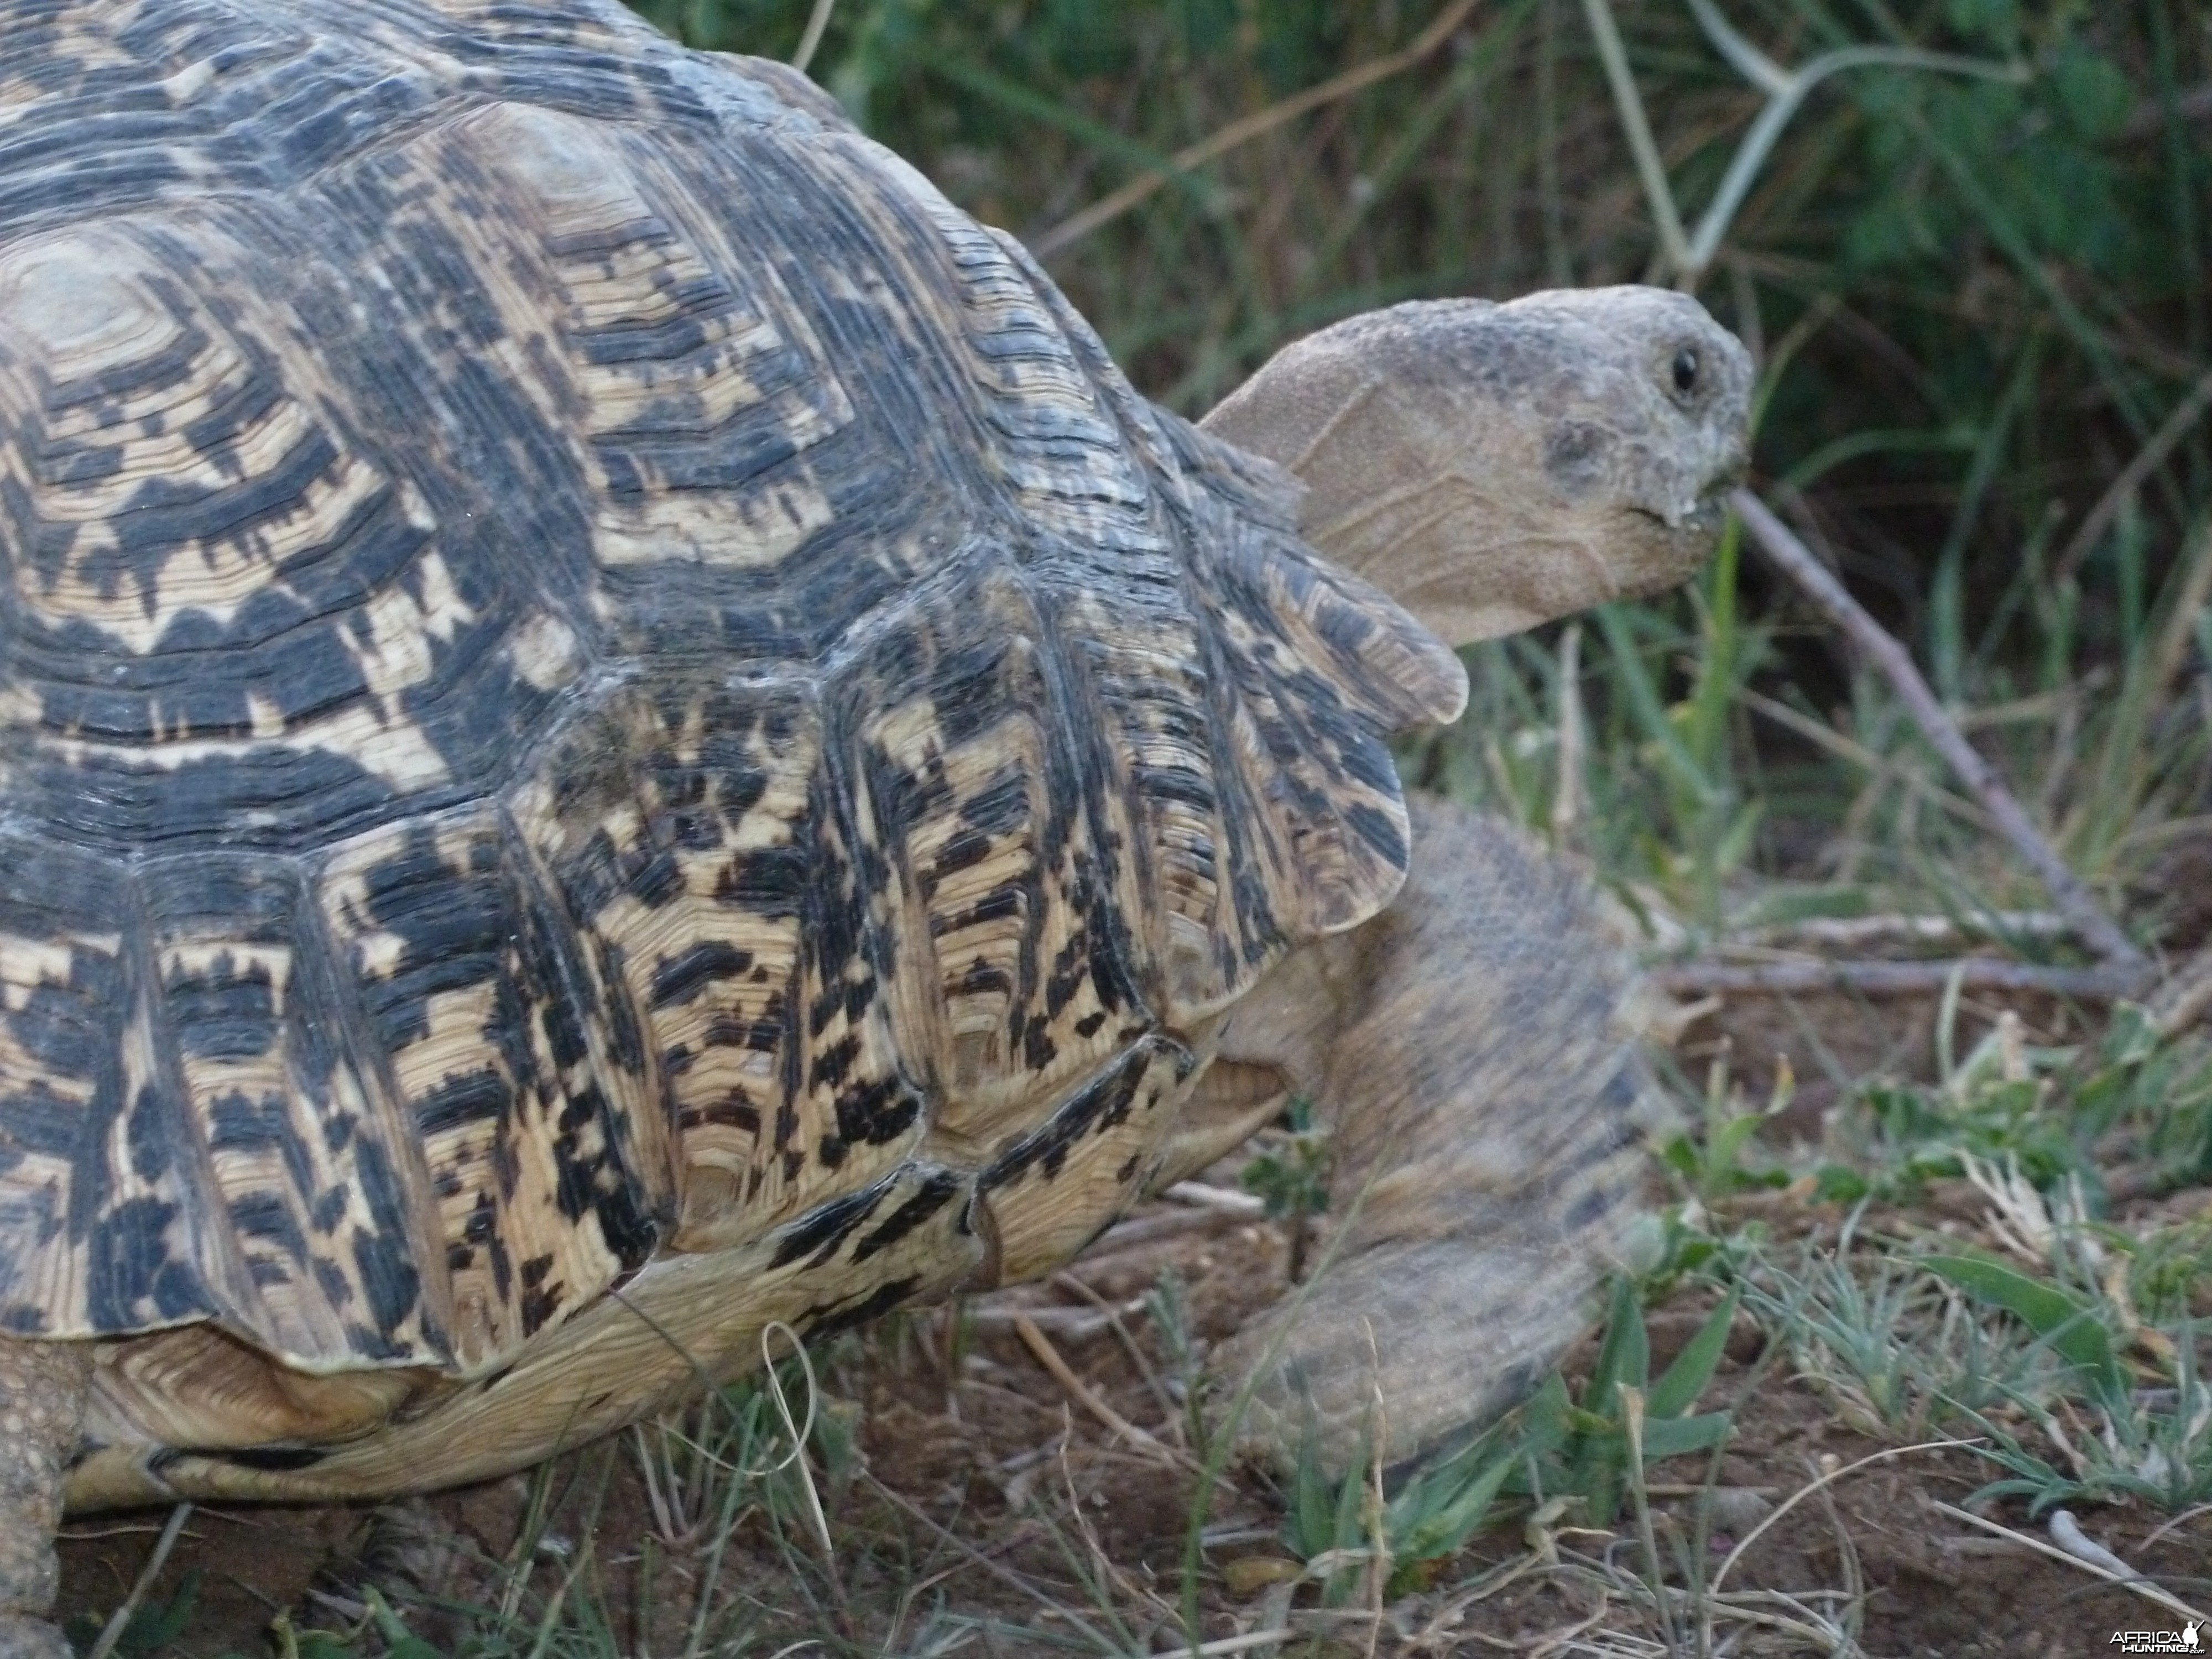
x,y
1970,262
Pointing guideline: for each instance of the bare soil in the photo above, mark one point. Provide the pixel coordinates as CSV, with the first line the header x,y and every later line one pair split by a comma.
x,y
984,1489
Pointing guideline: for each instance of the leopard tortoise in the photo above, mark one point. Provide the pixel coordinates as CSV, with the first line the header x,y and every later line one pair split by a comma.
x,y
614,726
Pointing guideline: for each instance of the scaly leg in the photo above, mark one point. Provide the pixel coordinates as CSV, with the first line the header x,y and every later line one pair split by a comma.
x,y
1469,1051
42,1390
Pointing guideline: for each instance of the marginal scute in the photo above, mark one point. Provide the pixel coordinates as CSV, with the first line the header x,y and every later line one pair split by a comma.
x,y
220,1392
311,1175
1055,1188
545,1163
1010,977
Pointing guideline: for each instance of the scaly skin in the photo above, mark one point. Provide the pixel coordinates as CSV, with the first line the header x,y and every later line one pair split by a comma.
x,y
1471,1053
42,1389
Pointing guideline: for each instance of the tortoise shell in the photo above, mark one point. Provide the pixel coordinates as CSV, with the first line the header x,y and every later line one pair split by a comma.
x,y
590,671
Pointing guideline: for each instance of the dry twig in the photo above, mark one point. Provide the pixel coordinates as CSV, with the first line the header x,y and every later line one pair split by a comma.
x,y
1082,1393
1853,931
798,1437
1713,1589
2187,993
2150,1540
986,1313
120,1620
1223,1200
1894,978
2126,1579
817,20
960,1546
2073,898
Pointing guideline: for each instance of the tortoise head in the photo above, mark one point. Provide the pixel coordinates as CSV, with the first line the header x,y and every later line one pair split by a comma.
x,y
1493,467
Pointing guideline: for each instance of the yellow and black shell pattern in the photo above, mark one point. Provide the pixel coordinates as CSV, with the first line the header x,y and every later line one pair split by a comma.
x,y
589,670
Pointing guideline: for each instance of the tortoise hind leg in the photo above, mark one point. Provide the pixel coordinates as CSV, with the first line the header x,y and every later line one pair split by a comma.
x,y
42,1392
1468,1050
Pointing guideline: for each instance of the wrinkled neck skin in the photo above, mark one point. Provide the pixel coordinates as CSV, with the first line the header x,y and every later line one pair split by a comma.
x,y
1476,556
1492,467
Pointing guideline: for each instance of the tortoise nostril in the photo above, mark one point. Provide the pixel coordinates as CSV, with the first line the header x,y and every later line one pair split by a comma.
x,y
1686,371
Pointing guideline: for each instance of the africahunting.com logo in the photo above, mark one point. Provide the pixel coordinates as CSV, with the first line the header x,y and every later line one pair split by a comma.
x,y
2188,1639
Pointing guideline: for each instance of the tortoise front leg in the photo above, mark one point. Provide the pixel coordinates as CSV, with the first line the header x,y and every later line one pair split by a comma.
x,y
1468,1051
42,1394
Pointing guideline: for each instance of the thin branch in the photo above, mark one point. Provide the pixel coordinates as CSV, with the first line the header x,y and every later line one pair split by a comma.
x,y
2187,993
1242,131
1082,1393
960,1546
120,1620
1860,930
1222,1200
2174,639
1755,66
1766,131
2122,490
1701,978
2148,1591
1713,1588
2067,889
1059,1319
798,1437
2150,1540
1879,768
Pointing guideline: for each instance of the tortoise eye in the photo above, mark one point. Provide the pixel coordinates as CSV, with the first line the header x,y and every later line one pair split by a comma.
x,y
1686,371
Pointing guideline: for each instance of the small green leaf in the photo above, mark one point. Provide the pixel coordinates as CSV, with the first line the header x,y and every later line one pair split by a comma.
x,y
1312,1524
1672,1436
2062,1321
1351,1498
1838,1183
1598,1478
1625,1355
1544,1418
1444,1530
1686,1379
1584,1424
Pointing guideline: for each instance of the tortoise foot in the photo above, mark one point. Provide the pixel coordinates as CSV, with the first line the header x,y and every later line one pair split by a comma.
x,y
1403,1349
1471,1054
